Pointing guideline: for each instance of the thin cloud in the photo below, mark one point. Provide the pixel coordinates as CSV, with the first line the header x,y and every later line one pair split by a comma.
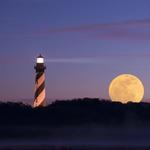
x,y
127,30
130,30
8,60
126,35
102,26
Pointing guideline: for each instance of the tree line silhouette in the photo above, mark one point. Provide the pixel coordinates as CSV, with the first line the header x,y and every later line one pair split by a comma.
x,y
76,112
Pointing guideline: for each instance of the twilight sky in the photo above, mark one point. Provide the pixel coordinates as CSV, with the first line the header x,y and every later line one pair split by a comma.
x,y
86,43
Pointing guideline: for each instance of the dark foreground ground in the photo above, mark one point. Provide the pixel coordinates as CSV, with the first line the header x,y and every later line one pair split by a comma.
x,y
75,138
81,124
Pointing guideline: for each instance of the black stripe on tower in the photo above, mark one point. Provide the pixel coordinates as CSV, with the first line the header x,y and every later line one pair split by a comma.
x,y
39,90
38,75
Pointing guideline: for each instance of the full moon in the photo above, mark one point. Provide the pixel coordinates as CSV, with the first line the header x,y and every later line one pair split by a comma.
x,y
126,88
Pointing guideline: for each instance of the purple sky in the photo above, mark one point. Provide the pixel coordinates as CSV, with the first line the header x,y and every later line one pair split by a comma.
x,y
98,39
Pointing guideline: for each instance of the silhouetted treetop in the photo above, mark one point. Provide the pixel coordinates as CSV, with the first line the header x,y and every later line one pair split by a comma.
x,y
76,112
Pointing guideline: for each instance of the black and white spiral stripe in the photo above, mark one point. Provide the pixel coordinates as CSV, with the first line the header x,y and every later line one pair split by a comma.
x,y
39,98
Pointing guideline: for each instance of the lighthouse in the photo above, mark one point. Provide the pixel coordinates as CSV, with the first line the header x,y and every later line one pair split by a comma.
x,y
40,93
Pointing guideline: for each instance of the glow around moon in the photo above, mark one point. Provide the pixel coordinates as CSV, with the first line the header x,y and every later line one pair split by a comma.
x,y
125,88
